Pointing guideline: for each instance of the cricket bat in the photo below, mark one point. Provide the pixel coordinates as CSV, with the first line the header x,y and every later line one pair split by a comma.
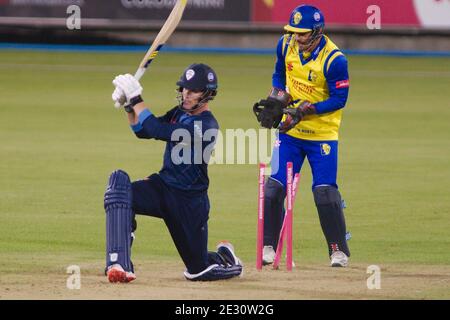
x,y
164,34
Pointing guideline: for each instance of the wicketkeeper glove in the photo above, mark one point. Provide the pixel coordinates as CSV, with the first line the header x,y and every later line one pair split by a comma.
x,y
269,112
295,115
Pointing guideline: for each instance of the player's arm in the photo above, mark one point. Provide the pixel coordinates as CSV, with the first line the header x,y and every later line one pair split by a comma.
x,y
137,127
142,121
150,127
279,74
169,115
269,111
338,86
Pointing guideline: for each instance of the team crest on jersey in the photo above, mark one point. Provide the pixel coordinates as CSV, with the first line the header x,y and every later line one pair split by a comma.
x,y
312,77
325,149
297,18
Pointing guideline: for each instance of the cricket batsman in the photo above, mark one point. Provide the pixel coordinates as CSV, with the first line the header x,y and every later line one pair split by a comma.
x,y
178,193
310,89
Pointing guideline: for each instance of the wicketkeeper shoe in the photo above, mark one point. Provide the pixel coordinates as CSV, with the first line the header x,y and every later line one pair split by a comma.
x,y
226,250
339,259
116,273
268,255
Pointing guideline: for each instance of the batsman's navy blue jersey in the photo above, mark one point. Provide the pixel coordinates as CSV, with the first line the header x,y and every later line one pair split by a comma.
x,y
190,141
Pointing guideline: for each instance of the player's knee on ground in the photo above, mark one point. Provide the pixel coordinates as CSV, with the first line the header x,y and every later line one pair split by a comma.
x,y
119,217
274,194
329,206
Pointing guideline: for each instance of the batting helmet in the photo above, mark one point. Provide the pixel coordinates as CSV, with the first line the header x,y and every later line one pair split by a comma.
x,y
305,18
198,76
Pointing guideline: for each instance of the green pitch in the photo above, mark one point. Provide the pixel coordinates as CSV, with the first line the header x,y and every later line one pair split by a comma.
x,y
61,138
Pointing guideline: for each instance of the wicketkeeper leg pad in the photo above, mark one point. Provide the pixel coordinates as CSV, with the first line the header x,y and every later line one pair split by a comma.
x,y
274,195
119,217
329,206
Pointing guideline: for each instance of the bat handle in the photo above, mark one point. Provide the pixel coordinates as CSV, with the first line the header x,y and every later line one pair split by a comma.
x,y
139,73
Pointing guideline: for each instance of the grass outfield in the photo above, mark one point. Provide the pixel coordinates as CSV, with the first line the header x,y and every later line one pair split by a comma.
x,y
61,138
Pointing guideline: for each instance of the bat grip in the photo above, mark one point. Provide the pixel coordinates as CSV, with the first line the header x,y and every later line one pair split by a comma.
x,y
139,73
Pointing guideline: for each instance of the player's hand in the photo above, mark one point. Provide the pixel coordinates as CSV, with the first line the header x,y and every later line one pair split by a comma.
x,y
268,113
130,87
295,115
119,98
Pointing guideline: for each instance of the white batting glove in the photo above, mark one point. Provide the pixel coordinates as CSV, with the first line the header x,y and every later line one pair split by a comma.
x,y
130,87
118,97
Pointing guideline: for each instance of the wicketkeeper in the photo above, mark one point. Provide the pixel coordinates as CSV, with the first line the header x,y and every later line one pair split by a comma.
x,y
178,193
310,88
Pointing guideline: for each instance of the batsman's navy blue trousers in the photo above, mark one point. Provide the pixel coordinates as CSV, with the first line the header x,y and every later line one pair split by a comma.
x,y
185,214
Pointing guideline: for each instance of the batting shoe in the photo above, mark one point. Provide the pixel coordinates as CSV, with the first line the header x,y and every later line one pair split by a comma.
x,y
339,259
268,255
226,250
116,273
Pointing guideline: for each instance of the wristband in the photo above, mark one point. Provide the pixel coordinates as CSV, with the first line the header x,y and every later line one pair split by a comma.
x,y
134,101
129,108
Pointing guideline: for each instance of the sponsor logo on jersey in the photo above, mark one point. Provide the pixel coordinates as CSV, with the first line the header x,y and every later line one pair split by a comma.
x,y
290,66
301,86
342,84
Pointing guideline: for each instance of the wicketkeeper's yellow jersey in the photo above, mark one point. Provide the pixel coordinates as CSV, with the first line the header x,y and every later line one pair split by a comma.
x,y
321,78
